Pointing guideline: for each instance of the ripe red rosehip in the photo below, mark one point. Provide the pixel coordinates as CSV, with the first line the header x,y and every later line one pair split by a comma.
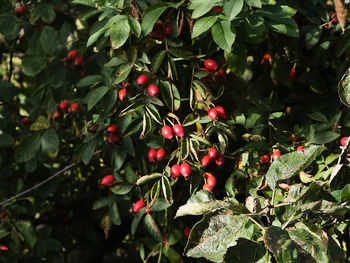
x,y
266,59
113,137
78,61
142,80
74,108
152,90
222,73
265,159
300,148
112,128
213,153
213,114
206,161
167,29
107,180
292,75
82,74
207,174
122,94
161,153
175,171
152,155
25,121
211,64
64,105
148,211
221,112
72,55
3,214
218,9
276,154
21,10
167,132
138,206
56,115
343,141
178,130
187,231
206,187
211,181
220,160
4,248
185,169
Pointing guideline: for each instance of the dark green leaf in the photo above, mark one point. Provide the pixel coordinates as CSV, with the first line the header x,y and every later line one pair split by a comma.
x,y
114,214
50,143
87,150
28,148
135,222
202,25
27,231
121,188
157,60
95,95
246,251
224,35
44,11
9,26
152,228
120,32
89,80
232,8
32,65
118,159
151,15
49,39
135,26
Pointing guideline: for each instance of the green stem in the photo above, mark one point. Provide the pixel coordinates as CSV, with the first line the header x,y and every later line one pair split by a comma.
x,y
258,224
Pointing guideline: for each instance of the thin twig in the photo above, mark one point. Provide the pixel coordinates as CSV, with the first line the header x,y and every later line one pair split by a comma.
x,y
44,181
11,60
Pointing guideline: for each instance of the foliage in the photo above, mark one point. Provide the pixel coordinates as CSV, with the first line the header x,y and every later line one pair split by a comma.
x,y
279,63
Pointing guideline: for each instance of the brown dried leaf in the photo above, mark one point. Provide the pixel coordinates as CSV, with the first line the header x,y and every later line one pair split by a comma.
x,y
342,13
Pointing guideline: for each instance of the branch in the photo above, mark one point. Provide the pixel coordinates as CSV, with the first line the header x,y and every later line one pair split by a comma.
x,y
44,181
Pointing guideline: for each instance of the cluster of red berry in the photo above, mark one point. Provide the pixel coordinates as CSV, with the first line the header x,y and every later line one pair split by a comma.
x,y
160,31
21,10
152,89
113,135
156,155
184,169
65,106
217,112
178,130
72,58
267,61
211,66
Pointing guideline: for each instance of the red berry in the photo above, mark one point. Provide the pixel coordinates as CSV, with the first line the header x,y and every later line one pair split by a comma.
x,y
82,74
25,121
343,141
185,169
292,74
78,61
72,55
167,132
221,112
142,80
206,161
211,181
107,180
148,211
178,130
153,90
73,108
213,153
218,9
206,187
213,114
266,59
113,137
160,36
207,174
152,155
122,94
138,206
187,231
220,160
3,248
265,159
3,214
112,128
56,115
300,148
64,105
175,171
276,154
222,73
211,64
21,10
167,29
161,153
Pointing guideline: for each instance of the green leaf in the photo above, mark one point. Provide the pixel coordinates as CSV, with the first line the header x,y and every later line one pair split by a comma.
x,y
312,35
327,208
215,233
344,88
135,26
201,7
135,222
49,39
202,25
32,65
119,33
324,137
157,60
224,35
237,59
50,143
232,8
246,251
44,11
7,91
114,214
254,3
146,178
167,91
283,247
87,150
152,228
151,15
118,159
95,95
28,148
121,188
102,202
89,80
160,204
89,3
41,123
172,254
27,231
317,116
9,26
291,164
5,140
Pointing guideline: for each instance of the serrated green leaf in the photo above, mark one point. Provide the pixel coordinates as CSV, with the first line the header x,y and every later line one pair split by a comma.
x,y
95,95
157,60
87,150
120,33
135,26
32,65
201,7
151,15
49,39
28,148
224,35
121,188
202,25
27,230
50,143
232,8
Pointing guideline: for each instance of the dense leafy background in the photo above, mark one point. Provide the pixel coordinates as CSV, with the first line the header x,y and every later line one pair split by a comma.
x,y
294,210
